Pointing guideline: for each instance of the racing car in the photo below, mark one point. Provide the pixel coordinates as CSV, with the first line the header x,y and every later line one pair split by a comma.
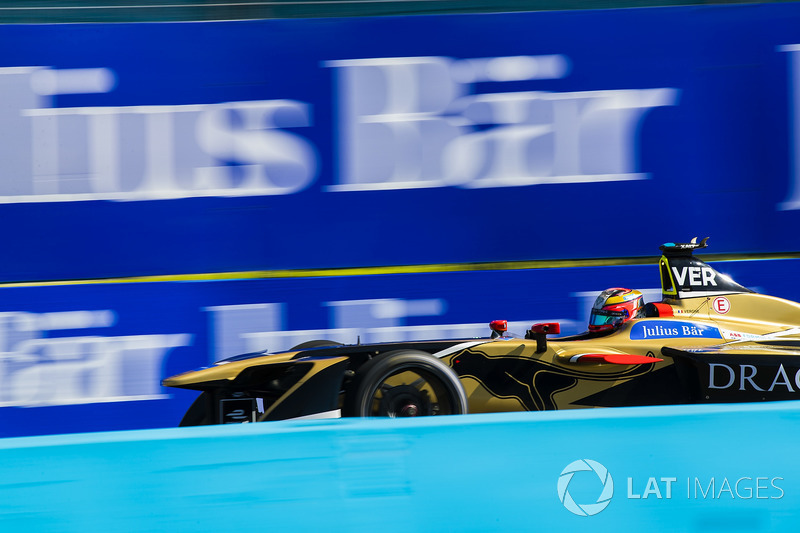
x,y
708,340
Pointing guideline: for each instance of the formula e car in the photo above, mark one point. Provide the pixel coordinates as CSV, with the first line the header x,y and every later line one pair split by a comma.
x,y
708,340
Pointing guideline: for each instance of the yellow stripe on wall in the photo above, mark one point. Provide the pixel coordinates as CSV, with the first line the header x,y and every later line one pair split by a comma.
x,y
400,269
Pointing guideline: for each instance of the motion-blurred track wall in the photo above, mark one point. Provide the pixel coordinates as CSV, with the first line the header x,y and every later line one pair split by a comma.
x,y
90,357
227,151
175,148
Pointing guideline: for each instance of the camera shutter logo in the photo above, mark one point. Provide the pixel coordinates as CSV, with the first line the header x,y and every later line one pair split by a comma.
x,y
585,509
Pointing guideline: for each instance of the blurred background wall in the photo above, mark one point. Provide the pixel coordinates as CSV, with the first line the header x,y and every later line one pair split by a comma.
x,y
173,193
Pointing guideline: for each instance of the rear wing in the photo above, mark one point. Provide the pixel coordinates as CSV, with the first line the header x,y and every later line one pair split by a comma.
x,y
685,276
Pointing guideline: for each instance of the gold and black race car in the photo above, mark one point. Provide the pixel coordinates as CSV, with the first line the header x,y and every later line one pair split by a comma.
x,y
708,340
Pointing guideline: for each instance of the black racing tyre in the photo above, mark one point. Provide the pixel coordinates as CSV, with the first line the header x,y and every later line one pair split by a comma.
x,y
405,383
314,344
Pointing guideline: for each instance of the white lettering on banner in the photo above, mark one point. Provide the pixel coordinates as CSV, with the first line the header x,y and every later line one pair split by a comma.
x,y
36,370
143,152
234,326
171,151
258,327
17,130
404,123
49,82
408,123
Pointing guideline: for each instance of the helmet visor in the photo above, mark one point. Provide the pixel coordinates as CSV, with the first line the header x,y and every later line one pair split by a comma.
x,y
602,317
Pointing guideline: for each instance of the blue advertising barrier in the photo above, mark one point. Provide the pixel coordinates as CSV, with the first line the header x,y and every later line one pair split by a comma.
x,y
174,148
688,468
77,358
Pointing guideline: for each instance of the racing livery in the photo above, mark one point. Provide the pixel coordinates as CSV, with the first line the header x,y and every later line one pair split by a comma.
x,y
708,340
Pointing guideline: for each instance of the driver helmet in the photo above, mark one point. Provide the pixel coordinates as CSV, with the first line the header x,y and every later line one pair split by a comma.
x,y
615,306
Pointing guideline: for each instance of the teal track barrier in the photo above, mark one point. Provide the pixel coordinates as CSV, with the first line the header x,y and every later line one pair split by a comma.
x,y
687,468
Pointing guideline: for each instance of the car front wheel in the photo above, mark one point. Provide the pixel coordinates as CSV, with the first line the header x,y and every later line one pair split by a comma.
x,y
405,383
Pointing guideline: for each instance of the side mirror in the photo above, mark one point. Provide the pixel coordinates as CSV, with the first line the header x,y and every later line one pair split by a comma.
x,y
498,327
548,328
539,332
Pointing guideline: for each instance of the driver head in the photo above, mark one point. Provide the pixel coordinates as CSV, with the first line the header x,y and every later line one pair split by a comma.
x,y
615,306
